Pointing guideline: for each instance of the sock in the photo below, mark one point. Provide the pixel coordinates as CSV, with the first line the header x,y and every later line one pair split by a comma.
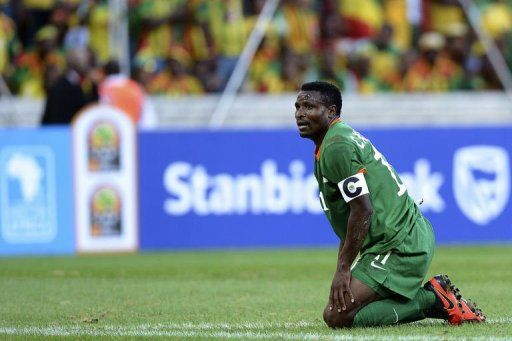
x,y
395,310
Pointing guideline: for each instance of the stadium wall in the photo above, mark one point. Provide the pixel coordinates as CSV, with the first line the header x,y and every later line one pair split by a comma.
x,y
264,111
253,188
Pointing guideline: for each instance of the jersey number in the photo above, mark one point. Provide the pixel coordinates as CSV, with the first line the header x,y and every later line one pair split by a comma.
x,y
378,156
322,202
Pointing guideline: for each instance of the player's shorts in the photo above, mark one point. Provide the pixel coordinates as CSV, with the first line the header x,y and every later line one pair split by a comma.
x,y
401,270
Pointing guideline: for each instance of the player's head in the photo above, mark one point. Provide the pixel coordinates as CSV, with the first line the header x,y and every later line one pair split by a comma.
x,y
317,105
330,93
112,67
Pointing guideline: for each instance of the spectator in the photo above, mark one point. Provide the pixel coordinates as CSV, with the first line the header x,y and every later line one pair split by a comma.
x,y
385,59
32,16
70,93
199,43
156,19
365,45
127,95
177,78
98,21
28,79
458,48
144,70
264,74
78,37
10,47
60,18
360,66
402,16
432,70
227,22
439,14
300,32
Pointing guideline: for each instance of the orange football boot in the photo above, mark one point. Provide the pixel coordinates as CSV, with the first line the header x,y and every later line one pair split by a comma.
x,y
450,305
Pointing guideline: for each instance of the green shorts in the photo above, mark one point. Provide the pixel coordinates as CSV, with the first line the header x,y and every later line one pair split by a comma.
x,y
401,270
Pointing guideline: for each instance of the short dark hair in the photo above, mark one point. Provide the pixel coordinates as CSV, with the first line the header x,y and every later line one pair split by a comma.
x,y
330,93
112,67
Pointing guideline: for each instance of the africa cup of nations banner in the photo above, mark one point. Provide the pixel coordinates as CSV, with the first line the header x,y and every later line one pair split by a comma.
x,y
36,203
257,188
104,152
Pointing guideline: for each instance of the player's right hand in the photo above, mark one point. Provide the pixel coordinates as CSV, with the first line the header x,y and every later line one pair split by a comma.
x,y
340,286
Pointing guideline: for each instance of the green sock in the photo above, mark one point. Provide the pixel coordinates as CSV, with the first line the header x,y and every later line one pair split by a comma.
x,y
395,310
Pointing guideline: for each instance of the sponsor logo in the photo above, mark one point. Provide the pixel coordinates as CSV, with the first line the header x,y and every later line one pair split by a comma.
x,y
192,189
103,147
105,212
481,182
381,261
27,195
446,298
376,266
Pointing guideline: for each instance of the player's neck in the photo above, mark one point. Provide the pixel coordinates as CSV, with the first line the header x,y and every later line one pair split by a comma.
x,y
320,138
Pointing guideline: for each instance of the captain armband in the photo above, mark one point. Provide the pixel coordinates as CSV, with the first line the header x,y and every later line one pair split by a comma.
x,y
352,187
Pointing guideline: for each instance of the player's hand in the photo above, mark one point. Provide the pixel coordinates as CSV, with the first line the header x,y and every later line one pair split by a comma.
x,y
340,286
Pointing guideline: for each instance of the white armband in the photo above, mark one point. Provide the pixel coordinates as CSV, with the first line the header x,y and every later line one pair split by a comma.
x,y
354,186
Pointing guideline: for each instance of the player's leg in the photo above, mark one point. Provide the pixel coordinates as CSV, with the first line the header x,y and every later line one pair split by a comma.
x,y
396,276
363,295
395,309
378,309
439,298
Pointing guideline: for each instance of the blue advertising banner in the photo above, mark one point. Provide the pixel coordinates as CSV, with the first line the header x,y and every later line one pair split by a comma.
x,y
256,188
36,201
462,175
228,189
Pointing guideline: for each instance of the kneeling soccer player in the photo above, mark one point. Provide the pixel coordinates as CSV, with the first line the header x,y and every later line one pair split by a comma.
x,y
378,222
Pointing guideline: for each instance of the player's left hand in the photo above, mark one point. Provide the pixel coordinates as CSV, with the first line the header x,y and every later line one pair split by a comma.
x,y
340,286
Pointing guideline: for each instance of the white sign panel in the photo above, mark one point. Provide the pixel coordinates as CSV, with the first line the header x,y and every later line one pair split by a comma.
x,y
482,198
105,180
27,194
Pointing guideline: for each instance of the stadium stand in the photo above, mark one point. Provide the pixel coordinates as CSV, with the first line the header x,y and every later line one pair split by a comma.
x,y
184,47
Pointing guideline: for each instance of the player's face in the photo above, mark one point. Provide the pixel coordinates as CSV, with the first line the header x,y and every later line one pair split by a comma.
x,y
312,115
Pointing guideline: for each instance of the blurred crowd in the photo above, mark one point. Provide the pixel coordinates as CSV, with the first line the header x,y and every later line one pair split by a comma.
x,y
192,46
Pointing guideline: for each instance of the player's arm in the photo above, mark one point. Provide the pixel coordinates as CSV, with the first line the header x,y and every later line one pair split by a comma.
x,y
344,163
357,228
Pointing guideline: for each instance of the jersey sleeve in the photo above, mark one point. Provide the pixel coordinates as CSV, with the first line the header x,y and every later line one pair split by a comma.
x,y
341,161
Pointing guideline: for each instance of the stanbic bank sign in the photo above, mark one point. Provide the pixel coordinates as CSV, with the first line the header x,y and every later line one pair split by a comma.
x,y
105,184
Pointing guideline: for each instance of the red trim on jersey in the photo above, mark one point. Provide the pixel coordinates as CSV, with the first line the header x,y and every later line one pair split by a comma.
x,y
363,170
317,149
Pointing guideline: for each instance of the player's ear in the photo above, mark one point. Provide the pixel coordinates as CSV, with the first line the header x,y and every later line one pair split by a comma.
x,y
332,112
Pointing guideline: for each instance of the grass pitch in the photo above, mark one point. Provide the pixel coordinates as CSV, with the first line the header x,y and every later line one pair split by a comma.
x,y
232,294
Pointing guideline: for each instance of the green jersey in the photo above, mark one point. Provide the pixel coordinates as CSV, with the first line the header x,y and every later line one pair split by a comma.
x,y
347,165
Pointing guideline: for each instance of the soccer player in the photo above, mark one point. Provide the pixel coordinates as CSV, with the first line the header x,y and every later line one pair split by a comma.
x,y
386,243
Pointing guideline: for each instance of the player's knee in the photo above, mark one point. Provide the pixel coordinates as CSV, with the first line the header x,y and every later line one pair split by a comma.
x,y
335,319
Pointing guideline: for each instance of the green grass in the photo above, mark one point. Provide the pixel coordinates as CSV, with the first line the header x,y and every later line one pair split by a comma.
x,y
241,294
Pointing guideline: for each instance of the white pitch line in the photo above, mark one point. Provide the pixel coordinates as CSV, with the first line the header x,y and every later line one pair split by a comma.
x,y
228,326
58,331
244,330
